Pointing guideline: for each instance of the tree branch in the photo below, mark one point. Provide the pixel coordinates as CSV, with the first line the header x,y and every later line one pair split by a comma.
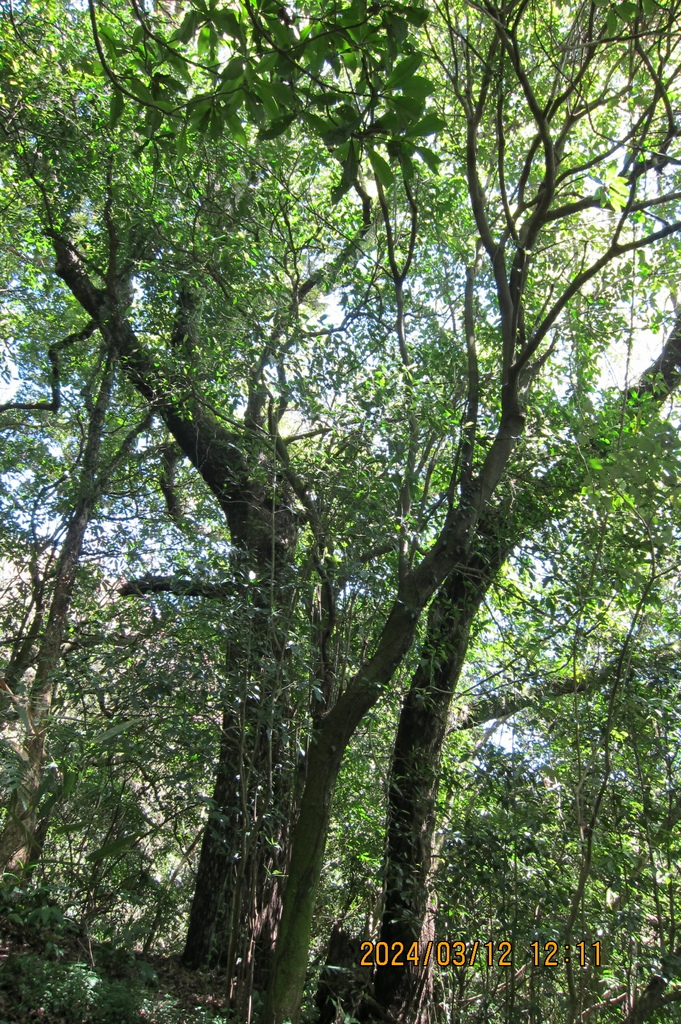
x,y
53,355
177,585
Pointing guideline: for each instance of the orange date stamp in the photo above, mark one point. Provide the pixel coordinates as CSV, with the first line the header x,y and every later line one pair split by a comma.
x,y
469,954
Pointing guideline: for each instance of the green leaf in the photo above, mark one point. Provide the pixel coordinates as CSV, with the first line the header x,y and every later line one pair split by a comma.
x,y
199,110
112,849
431,159
282,93
187,29
350,167
277,128
109,39
181,144
116,730
140,90
234,69
237,129
398,28
69,780
215,125
116,107
618,193
415,15
409,108
429,125
227,22
179,65
419,87
21,710
381,168
627,11
340,133
205,41
152,121
404,71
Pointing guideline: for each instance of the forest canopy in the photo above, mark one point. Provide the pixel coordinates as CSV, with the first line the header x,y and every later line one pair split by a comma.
x,y
339,489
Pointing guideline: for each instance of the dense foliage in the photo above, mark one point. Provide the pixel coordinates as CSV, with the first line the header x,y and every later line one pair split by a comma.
x,y
340,512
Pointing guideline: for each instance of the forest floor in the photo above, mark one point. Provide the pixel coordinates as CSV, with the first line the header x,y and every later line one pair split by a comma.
x,y
58,977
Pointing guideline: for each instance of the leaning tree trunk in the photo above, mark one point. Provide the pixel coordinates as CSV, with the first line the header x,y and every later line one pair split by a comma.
x,y
404,993
331,739
240,467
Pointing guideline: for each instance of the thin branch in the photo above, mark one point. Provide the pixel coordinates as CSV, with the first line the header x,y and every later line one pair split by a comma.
x,y
55,383
614,250
495,706
472,399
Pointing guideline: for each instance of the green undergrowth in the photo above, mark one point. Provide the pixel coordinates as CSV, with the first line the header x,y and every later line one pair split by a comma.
x,y
32,988
50,972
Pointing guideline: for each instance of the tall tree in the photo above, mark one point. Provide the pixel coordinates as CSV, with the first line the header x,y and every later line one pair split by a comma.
x,y
383,396
37,645
516,80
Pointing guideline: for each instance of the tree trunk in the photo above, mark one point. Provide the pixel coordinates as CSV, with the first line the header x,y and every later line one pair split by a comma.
x,y
331,739
404,992
19,842
290,967
215,860
234,913
235,910
325,756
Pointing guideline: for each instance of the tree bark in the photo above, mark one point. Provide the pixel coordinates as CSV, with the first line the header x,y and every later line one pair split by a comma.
x,y
234,913
404,992
216,859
